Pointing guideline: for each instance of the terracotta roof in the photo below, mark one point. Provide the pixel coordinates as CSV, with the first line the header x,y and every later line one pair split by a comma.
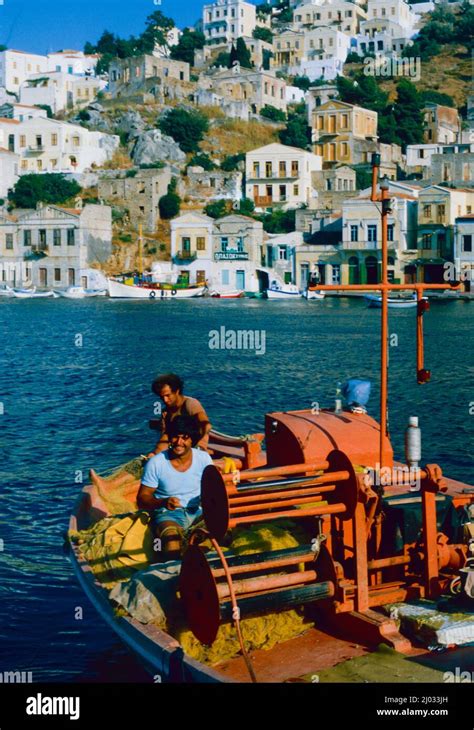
x,y
25,106
9,121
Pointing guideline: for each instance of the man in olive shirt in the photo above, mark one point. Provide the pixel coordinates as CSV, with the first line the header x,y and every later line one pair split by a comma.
x,y
170,389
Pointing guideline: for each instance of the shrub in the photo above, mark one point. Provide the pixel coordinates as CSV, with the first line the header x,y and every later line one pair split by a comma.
x,y
46,188
218,208
272,113
231,162
187,128
203,160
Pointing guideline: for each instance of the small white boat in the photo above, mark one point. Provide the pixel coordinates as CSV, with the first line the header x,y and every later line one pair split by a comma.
x,y
7,292
78,292
227,293
375,300
118,290
313,294
283,291
32,294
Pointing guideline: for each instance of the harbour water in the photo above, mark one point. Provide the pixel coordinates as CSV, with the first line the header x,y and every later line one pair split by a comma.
x,y
75,393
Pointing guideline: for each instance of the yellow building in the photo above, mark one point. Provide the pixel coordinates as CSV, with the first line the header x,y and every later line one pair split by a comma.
x,y
343,133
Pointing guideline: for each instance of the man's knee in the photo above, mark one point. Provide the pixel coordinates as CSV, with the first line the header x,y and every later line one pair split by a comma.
x,y
171,537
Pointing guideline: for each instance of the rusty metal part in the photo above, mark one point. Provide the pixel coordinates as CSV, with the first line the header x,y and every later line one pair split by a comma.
x,y
225,506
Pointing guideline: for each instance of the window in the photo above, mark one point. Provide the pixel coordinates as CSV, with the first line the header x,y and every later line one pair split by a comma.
x,y
225,278
295,168
282,192
224,243
441,211
268,169
421,154
467,243
39,164
282,167
240,244
390,231
57,275
24,164
54,163
200,243
427,211
71,236
296,190
57,237
76,141
344,149
26,238
320,122
283,253
54,140
354,233
256,169
9,241
22,140
344,121
336,274
372,233
426,240
185,244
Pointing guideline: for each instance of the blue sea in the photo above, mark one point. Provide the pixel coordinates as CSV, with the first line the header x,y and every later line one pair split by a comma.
x,y
75,393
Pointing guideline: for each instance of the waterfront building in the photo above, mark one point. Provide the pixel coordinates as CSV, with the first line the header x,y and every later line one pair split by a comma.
x,y
139,193
279,251
227,20
438,209
54,246
464,250
280,175
48,145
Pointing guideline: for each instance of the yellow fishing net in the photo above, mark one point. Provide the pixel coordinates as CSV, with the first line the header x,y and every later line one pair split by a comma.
x,y
117,547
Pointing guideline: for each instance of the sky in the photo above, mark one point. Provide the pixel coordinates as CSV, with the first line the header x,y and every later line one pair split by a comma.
x,y
42,26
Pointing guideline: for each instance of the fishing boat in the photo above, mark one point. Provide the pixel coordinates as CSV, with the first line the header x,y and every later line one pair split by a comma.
x,y
227,293
32,294
333,472
283,291
120,290
78,292
313,294
6,292
375,301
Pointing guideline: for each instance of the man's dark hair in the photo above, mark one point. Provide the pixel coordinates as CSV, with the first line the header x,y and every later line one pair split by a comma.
x,y
185,426
174,381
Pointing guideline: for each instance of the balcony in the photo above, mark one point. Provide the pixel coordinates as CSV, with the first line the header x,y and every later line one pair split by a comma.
x,y
37,251
263,200
35,149
231,255
183,258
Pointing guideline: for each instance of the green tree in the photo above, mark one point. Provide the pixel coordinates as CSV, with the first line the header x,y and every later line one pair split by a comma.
x,y
279,221
302,82
437,97
297,133
246,207
47,108
464,23
222,59
272,113
241,54
263,34
408,114
189,42
47,188
218,208
203,160
169,205
231,162
156,32
186,127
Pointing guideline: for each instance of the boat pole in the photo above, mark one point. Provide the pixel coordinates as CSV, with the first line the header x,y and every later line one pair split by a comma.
x,y
385,200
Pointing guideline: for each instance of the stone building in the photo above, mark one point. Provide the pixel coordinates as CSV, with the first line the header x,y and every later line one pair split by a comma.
x,y
128,75
139,192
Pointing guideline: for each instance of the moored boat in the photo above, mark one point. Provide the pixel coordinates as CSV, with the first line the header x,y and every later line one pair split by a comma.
x,y
313,294
227,293
32,294
78,292
119,290
283,291
375,301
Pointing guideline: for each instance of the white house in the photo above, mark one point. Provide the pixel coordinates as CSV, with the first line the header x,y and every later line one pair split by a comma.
x,y
48,145
345,16
464,251
16,66
325,51
227,20
397,11
8,171
60,90
278,174
419,156
21,112
73,62
54,246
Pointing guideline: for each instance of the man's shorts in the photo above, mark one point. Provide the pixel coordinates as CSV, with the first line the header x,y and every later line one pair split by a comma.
x,y
181,516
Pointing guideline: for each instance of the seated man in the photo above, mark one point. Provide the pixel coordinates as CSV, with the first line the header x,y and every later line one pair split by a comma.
x,y
171,485
170,389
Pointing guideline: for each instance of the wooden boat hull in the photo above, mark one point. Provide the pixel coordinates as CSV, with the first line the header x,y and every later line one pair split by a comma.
x,y
238,294
277,294
117,290
311,294
33,295
375,302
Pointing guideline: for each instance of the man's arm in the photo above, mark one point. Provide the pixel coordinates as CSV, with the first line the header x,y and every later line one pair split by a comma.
x,y
147,500
206,429
163,443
